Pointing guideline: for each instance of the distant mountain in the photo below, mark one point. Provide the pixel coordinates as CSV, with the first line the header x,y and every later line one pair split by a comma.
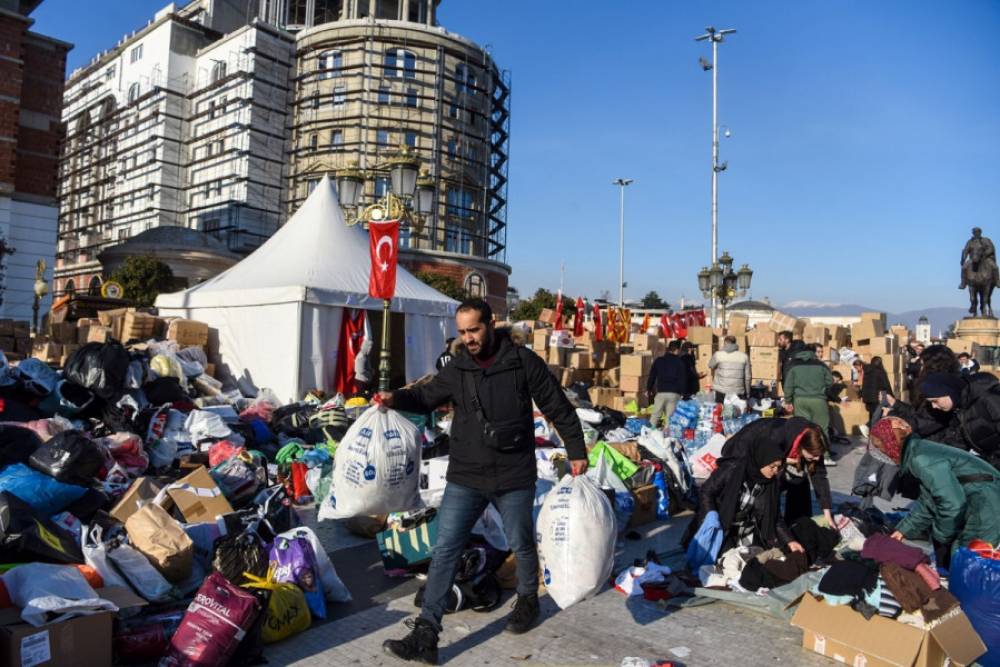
x,y
940,317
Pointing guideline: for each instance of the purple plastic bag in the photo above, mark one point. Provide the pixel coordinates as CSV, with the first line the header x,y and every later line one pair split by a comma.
x,y
294,561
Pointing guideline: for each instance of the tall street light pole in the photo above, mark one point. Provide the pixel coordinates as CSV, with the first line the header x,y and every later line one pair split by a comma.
x,y
715,36
621,183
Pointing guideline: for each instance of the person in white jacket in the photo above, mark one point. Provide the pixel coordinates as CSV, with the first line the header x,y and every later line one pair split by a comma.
x,y
730,371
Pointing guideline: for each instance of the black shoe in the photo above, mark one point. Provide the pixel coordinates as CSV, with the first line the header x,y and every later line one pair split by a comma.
x,y
524,615
421,645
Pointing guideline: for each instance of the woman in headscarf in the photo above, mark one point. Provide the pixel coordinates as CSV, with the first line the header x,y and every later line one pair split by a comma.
x,y
742,496
804,448
959,492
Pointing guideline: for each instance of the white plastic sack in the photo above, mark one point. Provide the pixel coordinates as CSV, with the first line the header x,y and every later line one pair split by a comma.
x,y
588,416
630,580
41,589
205,425
335,589
95,554
376,467
490,526
576,540
606,478
703,459
143,577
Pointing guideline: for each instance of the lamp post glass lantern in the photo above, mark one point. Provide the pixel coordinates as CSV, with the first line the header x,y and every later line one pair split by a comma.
x,y
410,198
721,284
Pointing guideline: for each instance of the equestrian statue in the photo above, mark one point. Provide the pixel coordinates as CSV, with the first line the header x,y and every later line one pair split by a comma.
x,y
979,273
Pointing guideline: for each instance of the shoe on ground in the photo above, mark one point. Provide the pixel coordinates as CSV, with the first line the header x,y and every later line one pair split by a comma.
x,y
864,430
828,461
524,616
421,645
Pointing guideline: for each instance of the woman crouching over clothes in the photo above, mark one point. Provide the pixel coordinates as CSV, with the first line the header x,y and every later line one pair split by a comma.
x,y
959,492
804,447
738,505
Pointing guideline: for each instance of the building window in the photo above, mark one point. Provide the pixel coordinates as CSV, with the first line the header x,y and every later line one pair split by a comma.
x,y
465,79
135,55
337,138
152,154
122,234
133,93
475,285
314,101
211,109
95,286
340,96
383,95
459,201
404,236
311,185
211,225
109,73
411,97
313,142
453,111
411,138
400,64
452,149
330,64
387,9
218,71
451,240
382,184
382,137
70,287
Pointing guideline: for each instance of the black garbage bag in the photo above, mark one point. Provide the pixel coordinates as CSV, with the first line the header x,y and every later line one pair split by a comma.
x,y
293,420
69,457
27,536
100,367
17,444
16,406
164,391
88,505
237,553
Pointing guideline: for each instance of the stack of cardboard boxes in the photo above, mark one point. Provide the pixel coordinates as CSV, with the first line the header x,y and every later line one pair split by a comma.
x,y
580,359
15,338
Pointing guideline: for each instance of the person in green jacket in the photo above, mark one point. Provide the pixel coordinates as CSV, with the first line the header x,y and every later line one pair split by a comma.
x,y
959,492
806,383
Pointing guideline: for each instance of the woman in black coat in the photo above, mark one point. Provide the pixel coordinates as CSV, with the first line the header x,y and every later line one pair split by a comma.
x,y
874,381
744,491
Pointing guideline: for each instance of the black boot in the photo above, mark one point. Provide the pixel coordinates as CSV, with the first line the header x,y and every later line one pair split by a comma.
x,y
421,645
524,615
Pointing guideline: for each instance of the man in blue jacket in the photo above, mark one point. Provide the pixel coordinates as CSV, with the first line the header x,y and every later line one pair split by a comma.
x,y
669,380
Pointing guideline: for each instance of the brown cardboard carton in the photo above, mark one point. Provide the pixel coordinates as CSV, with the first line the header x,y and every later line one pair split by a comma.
x,y
106,317
188,333
83,333
138,326
636,365
62,332
198,498
958,345
881,345
874,316
46,350
558,356
143,490
642,342
68,351
98,334
82,640
763,336
704,352
629,449
571,375
843,634
580,359
632,383
587,340
838,336
813,333
646,498
540,340
639,397
742,343
547,316
866,330
782,322
738,323
849,416
603,396
764,363
606,355
701,336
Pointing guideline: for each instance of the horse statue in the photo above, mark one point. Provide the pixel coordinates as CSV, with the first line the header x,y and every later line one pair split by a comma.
x,y
982,277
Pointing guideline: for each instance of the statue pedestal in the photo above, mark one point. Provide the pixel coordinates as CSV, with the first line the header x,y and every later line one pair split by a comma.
x,y
980,330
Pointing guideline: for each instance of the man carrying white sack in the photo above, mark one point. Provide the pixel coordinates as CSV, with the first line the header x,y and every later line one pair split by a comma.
x,y
491,382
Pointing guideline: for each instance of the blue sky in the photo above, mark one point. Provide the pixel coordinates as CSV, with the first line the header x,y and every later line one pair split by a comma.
x,y
863,149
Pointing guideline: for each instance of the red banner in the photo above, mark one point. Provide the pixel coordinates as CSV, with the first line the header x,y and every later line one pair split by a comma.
x,y
352,334
559,312
384,247
598,324
666,330
581,313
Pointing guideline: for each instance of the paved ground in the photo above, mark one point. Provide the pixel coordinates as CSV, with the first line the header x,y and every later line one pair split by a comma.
x,y
600,631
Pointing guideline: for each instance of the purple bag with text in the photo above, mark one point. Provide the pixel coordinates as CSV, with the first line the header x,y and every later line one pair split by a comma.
x,y
294,561
213,625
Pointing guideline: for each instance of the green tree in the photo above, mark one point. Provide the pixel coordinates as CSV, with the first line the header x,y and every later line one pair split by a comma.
x,y
444,284
531,308
143,278
653,300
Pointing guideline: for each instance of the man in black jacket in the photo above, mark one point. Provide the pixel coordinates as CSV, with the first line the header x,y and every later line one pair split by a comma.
x,y
491,381
669,380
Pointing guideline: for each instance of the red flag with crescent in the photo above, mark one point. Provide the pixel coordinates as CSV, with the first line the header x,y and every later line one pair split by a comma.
x,y
559,312
666,330
384,247
581,313
680,325
598,324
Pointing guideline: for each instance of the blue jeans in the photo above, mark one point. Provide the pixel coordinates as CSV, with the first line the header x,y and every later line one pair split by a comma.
x,y
460,508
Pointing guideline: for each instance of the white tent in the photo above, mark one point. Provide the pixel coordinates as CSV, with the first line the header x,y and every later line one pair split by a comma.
x,y
278,312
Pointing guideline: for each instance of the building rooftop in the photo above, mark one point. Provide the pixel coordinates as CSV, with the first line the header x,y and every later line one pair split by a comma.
x,y
751,305
168,236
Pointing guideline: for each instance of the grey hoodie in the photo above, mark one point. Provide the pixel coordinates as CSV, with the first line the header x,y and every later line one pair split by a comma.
x,y
731,370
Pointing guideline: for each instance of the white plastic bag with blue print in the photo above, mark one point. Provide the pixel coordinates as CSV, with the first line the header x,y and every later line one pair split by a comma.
x,y
576,540
376,467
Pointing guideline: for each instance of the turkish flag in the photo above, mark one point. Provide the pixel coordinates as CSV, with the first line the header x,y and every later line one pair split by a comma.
x,y
598,324
680,325
384,247
352,334
578,320
559,312
666,330
700,317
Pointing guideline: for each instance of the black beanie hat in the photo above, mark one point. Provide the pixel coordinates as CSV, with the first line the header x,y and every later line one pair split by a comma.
x,y
937,385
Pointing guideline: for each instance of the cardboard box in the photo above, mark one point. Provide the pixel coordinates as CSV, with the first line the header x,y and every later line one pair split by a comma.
x,y
547,316
958,345
404,547
571,375
843,634
138,326
558,356
540,340
636,365
701,335
606,355
640,399
106,317
782,322
742,343
765,363
82,640
46,350
704,352
646,498
813,333
848,416
738,323
643,342
143,490
188,333
603,396
581,359
763,336
198,498
632,383
838,336
866,330
587,340
874,316
62,332
68,351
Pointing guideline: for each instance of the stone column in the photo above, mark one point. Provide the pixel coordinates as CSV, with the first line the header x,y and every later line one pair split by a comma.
x,y
430,13
405,9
